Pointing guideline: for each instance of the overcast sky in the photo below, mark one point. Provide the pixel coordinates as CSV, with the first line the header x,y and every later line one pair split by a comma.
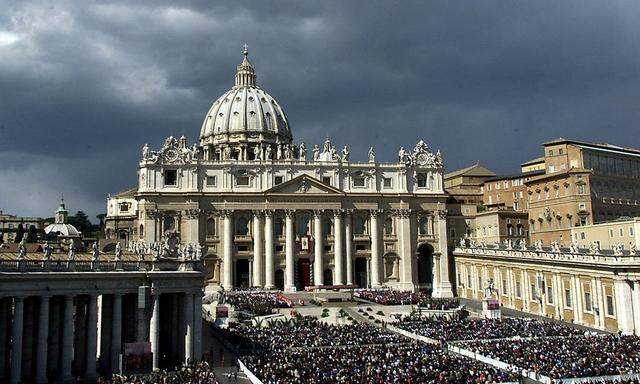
x,y
84,85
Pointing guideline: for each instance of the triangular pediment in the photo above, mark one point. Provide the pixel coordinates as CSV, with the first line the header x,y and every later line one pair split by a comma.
x,y
304,185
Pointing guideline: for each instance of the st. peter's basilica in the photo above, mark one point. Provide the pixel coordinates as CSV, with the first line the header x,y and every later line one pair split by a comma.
x,y
271,213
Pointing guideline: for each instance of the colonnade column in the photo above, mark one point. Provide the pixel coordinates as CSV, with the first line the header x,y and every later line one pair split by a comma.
x,y
16,336
268,254
43,337
116,332
375,249
67,338
92,338
445,289
405,231
348,244
318,267
258,253
227,280
624,310
154,331
337,247
188,334
636,305
289,285
197,326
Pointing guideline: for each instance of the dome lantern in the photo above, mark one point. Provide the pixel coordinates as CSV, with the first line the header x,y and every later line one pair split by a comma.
x,y
245,75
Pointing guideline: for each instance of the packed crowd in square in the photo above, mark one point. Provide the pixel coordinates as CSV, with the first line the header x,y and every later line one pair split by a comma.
x,y
457,328
258,303
576,356
421,299
313,352
200,373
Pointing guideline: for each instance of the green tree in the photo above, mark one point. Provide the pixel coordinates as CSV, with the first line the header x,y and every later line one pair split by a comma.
x,y
81,221
32,234
19,234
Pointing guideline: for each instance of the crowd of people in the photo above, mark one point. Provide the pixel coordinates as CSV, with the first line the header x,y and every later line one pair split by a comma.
x,y
310,351
458,328
391,297
569,357
259,303
200,373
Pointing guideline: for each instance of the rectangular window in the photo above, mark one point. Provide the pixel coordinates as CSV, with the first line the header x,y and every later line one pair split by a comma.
x,y
505,287
278,180
422,180
170,177
581,189
211,181
610,232
243,181
534,292
326,180
469,281
621,232
587,302
549,294
630,231
610,310
386,182
359,181
567,298
518,289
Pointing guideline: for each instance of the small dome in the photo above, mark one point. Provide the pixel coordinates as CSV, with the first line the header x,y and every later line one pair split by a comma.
x,y
245,113
59,229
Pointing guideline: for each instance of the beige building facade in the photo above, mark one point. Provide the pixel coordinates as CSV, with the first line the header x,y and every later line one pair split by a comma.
x,y
623,232
272,213
121,222
596,289
9,225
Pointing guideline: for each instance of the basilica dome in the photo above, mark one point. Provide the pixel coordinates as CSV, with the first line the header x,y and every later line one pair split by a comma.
x,y
245,114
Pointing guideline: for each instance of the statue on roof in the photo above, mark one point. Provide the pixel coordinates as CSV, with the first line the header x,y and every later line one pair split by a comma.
x,y
345,153
302,155
118,252
316,152
95,252
71,256
372,155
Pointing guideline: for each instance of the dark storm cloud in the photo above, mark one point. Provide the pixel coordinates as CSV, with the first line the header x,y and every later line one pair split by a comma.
x,y
85,84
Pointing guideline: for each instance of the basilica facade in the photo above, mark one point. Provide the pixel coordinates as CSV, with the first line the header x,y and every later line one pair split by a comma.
x,y
275,214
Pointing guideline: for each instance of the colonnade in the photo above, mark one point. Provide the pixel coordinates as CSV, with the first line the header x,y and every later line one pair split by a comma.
x,y
61,337
263,265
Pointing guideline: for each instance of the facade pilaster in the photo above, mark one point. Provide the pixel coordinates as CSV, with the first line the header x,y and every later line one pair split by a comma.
x,y
445,289
348,246
624,310
67,338
92,338
154,331
116,332
406,240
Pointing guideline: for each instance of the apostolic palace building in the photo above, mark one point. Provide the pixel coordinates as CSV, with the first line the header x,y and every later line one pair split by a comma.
x,y
274,213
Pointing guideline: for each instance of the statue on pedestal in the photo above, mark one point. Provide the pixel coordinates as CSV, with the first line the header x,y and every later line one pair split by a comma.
x,y
302,155
118,252
316,152
372,155
95,252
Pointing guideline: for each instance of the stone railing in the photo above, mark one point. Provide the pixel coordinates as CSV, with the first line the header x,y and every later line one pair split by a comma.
x,y
30,265
565,255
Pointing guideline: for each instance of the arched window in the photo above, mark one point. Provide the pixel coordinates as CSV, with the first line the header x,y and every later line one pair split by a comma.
x,y
141,230
211,227
169,224
242,225
326,227
388,226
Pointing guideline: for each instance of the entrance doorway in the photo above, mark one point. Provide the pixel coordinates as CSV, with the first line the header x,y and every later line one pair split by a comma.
x,y
425,266
279,279
304,274
328,277
361,272
242,273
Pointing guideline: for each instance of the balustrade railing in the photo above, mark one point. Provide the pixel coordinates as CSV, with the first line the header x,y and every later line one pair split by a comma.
x,y
42,265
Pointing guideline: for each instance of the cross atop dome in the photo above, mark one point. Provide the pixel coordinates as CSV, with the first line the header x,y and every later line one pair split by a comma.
x,y
245,75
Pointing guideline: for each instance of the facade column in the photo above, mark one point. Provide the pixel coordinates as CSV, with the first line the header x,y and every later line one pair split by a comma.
x,y
197,326
624,310
445,289
348,246
43,338
577,303
405,233
116,332
318,248
258,252
227,220
375,249
599,296
67,338
636,306
268,247
92,338
289,284
188,328
154,331
16,336
337,248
